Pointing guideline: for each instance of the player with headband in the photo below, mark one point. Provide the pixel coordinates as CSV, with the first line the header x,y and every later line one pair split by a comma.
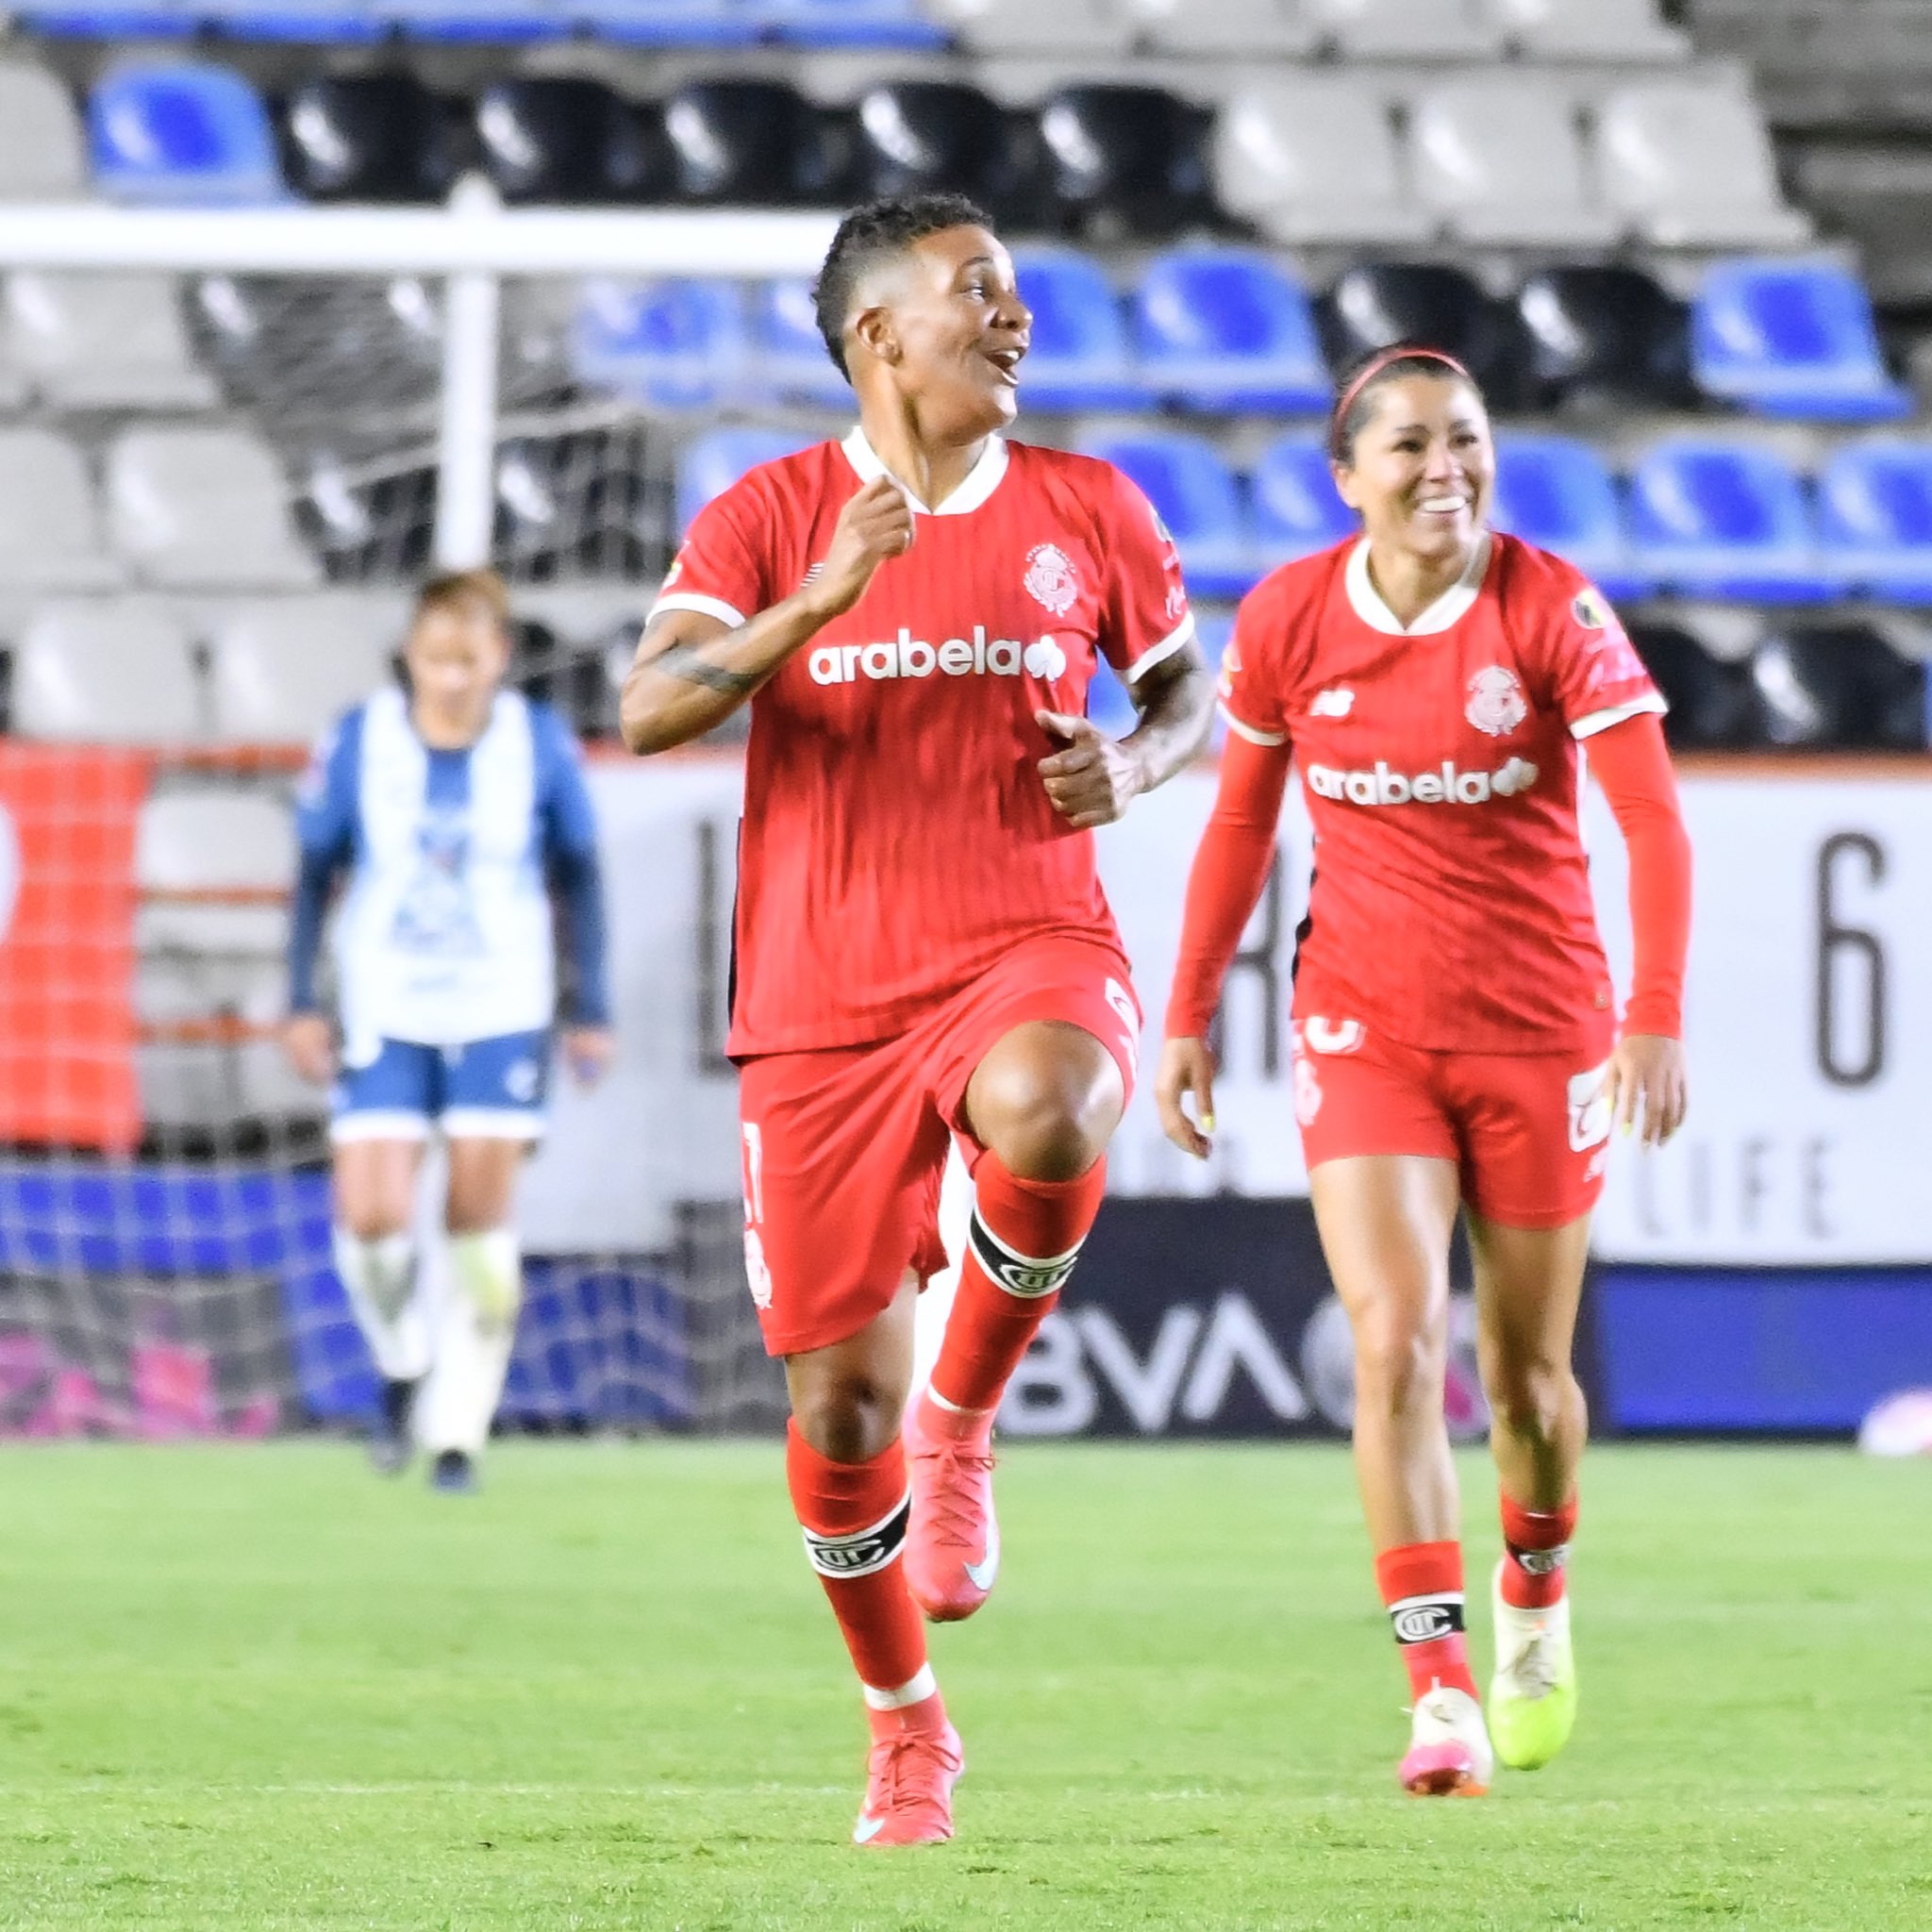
x,y
1455,1036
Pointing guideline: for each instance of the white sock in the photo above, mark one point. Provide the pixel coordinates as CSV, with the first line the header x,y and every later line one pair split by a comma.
x,y
479,1323
380,1279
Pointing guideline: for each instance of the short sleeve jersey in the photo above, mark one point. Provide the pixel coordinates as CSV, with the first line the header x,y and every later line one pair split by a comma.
x,y
1441,764
897,837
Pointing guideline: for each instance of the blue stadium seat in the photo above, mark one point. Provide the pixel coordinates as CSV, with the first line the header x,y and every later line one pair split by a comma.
x,y
678,343
177,132
668,23
477,22
713,463
849,23
319,23
1297,508
1558,492
1221,329
1078,358
1874,518
1198,498
789,360
1792,339
116,19
1720,519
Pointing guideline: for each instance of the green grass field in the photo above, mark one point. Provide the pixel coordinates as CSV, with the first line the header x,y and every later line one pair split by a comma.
x,y
254,1688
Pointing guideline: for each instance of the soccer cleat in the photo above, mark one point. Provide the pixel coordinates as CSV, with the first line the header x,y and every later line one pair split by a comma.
x,y
908,1788
953,1547
454,1473
1449,1754
1533,1694
389,1430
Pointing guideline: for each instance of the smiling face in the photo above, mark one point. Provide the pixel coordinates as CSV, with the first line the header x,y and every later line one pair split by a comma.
x,y
945,320
1422,467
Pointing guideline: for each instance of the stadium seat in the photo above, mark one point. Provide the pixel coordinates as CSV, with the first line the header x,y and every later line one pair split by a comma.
x,y
366,528
1719,519
1602,333
575,504
788,362
561,138
1195,494
281,670
111,671
43,150
1837,687
317,22
1555,492
204,508
750,142
102,342
1223,329
1224,30
1689,164
1588,29
1077,357
224,841
1379,303
115,20
1093,28
50,526
177,132
1502,162
1874,518
1792,339
367,137
1297,507
1710,698
1314,158
916,136
207,1088
1137,154
667,23
1407,29
850,24
477,21
677,345
711,464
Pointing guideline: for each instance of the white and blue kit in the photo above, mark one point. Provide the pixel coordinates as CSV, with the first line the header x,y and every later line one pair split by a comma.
x,y
445,943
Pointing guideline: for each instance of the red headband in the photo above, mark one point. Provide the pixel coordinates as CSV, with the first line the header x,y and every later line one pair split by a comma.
x,y
1401,351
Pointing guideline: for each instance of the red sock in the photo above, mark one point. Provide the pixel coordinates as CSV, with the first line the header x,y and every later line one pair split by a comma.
x,y
1422,1585
1023,1239
853,1517
1536,1547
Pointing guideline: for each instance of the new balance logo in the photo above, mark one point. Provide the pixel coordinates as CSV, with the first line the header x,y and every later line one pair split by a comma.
x,y
862,1552
1423,1619
906,655
1029,1277
1445,785
1338,701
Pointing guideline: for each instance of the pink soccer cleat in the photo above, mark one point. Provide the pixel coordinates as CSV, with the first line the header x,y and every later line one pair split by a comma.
x,y
910,1777
1449,1754
953,1549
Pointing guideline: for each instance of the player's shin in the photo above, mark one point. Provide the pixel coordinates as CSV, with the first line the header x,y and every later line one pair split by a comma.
x,y
379,1277
473,1340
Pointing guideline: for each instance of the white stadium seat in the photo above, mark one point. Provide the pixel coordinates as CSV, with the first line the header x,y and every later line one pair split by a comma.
x,y
214,838
212,1086
1407,29
204,508
102,342
1589,30
42,153
109,672
1314,158
1504,163
283,670
1688,161
50,524
1028,27
1218,29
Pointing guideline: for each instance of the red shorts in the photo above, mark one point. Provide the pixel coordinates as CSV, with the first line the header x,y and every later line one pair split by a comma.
x,y
1529,1132
845,1147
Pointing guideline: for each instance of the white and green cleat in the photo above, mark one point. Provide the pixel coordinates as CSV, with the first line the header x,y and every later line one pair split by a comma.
x,y
1533,1694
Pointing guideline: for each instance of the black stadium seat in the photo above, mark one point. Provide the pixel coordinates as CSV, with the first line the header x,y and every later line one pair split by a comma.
x,y
914,136
560,139
378,529
1837,687
575,505
371,137
1137,156
1380,303
1711,704
756,142
1602,333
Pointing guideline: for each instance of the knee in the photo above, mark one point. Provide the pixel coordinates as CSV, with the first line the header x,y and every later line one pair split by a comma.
x,y
849,1417
1531,1399
373,1219
1400,1357
1052,1125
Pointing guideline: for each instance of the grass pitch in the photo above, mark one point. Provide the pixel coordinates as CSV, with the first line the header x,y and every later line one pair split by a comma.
x,y
254,1687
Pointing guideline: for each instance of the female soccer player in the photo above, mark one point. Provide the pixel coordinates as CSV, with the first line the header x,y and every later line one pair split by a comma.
x,y
923,950
1455,1039
456,809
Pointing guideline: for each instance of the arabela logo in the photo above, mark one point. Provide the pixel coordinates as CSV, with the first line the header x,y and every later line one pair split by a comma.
x,y
1445,785
9,870
1496,704
906,655
1050,578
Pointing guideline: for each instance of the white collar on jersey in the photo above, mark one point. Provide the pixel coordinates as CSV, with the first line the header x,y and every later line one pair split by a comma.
x,y
978,483
1452,605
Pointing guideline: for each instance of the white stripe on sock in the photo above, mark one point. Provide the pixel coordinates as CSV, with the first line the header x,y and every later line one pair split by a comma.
x,y
916,1691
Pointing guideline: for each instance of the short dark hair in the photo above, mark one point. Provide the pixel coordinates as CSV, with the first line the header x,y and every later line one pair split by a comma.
x,y
1355,393
867,235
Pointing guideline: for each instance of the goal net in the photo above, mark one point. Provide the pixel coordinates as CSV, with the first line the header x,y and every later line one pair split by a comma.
x,y
230,447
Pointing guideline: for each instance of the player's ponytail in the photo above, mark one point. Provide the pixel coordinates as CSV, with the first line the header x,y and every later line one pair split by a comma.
x,y
1356,394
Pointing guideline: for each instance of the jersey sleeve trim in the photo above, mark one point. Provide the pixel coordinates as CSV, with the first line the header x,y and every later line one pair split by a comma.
x,y
1593,722
693,600
1249,732
1181,635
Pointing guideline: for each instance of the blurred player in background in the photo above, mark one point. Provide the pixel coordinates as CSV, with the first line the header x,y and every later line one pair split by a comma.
x,y
455,808
1455,1036
924,953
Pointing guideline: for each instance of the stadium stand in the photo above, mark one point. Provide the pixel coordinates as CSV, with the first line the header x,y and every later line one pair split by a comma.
x,y
1237,30
1874,518
109,672
43,145
102,342
673,345
1557,492
1225,331
1198,497
367,137
181,132
1711,707
1620,30
1296,508
1407,29
50,523
281,670
1837,687
1603,334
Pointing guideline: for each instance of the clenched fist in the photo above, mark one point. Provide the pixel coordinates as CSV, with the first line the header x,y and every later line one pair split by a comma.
x,y
876,524
1094,779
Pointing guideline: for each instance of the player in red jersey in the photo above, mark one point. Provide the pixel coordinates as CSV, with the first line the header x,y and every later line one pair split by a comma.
x,y
1455,1036
923,952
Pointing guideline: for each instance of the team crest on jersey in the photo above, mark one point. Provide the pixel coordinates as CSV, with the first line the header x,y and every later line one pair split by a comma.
x,y
1050,578
1496,704
1589,609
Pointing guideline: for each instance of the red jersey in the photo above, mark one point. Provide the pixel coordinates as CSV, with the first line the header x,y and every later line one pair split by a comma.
x,y
1451,903
897,837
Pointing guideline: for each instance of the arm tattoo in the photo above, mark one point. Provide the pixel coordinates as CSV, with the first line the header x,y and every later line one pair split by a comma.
x,y
687,663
